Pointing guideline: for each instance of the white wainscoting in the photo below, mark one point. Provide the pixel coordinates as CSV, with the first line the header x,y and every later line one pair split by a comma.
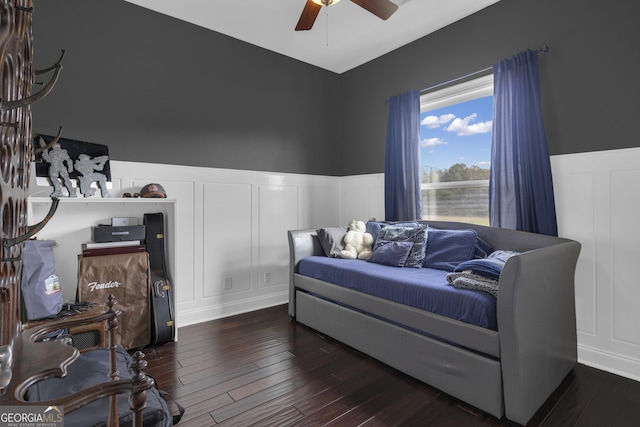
x,y
231,225
362,198
598,204
230,228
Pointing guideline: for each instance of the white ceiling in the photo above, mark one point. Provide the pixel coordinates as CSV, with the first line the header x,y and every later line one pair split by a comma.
x,y
344,35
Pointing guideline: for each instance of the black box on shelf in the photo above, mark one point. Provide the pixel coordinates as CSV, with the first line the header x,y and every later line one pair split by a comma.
x,y
109,233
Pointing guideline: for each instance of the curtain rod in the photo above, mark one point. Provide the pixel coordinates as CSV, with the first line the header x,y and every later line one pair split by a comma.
x,y
543,49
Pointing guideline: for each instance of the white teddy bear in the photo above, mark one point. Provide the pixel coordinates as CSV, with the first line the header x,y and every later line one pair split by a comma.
x,y
357,242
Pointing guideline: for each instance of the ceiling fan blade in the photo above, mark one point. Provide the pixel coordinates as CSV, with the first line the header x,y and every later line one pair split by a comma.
x,y
309,15
383,9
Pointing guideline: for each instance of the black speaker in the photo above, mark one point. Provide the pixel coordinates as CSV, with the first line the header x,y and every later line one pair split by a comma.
x,y
87,339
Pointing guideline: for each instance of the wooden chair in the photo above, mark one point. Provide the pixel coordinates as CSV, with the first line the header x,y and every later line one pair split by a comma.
x,y
34,361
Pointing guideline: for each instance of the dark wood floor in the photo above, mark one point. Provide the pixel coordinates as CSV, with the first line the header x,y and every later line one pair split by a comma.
x,y
263,369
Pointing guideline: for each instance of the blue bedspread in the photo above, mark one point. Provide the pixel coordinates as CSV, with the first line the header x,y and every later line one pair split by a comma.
x,y
423,288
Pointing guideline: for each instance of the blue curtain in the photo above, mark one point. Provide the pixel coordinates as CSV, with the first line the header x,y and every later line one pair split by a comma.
x,y
520,186
403,199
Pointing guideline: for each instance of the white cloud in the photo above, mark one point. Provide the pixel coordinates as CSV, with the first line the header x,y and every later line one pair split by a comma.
x,y
433,122
432,142
464,127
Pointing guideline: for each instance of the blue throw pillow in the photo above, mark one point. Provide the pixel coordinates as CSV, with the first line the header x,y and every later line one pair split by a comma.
x,y
448,248
390,253
483,249
416,235
490,267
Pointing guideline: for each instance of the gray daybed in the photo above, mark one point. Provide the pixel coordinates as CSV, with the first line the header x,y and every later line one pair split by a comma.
x,y
509,370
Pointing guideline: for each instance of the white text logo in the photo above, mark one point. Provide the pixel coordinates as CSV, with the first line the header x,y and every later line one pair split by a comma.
x,y
94,286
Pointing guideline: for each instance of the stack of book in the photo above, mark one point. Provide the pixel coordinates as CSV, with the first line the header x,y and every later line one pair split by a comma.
x,y
111,248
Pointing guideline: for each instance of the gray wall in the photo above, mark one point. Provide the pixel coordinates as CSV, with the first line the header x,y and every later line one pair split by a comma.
x,y
156,89
159,90
590,85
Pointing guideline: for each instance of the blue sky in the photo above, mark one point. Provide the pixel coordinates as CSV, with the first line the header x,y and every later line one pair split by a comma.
x,y
460,133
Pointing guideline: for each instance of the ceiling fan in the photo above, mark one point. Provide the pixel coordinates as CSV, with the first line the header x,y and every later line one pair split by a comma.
x,y
383,9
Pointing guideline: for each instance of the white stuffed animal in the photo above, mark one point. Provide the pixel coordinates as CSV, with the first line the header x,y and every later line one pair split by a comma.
x,y
357,242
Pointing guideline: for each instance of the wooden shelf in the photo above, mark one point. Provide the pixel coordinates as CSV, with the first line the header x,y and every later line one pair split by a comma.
x,y
111,200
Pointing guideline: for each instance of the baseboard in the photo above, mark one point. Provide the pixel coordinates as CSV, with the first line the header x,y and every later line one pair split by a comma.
x,y
609,362
226,309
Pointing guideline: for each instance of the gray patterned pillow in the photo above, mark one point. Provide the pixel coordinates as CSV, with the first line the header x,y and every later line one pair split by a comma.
x,y
416,235
374,227
330,239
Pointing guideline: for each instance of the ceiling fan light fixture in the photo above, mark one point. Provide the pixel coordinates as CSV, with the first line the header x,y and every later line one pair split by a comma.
x,y
325,2
383,9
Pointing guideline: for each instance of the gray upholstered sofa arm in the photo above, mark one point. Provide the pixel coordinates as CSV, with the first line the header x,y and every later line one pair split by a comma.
x,y
302,243
537,325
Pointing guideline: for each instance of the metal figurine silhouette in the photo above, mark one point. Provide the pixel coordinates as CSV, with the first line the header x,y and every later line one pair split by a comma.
x,y
87,166
57,156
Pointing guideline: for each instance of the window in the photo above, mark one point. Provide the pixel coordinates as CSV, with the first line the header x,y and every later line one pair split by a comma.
x,y
455,151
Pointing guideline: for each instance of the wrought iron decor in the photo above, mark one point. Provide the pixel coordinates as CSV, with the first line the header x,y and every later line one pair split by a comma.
x,y
16,75
16,152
